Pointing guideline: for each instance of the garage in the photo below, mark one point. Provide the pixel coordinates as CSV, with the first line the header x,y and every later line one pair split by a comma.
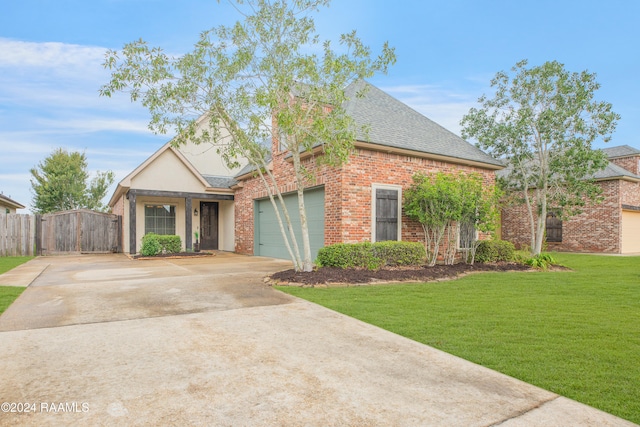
x,y
268,239
630,231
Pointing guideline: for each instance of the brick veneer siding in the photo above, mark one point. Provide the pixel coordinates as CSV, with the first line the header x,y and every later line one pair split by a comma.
x,y
348,193
118,206
597,229
630,163
630,193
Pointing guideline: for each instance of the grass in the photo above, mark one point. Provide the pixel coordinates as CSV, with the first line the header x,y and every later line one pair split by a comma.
x,y
8,294
574,333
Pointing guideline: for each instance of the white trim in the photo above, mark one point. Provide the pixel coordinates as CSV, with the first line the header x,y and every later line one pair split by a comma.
x,y
374,187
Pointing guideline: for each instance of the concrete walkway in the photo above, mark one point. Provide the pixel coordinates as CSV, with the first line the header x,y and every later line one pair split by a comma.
x,y
85,345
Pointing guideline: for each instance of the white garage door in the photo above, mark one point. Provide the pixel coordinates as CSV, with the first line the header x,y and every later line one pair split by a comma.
x,y
630,231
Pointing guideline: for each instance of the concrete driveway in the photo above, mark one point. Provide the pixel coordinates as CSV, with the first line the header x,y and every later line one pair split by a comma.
x,y
110,341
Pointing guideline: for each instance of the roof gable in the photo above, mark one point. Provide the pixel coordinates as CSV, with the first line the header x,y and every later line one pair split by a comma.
x,y
392,123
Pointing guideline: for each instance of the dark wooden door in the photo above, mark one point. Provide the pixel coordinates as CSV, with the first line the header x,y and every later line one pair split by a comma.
x,y
386,215
209,225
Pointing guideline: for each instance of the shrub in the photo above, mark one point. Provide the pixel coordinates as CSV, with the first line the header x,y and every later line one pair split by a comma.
x,y
170,244
371,255
542,261
400,253
150,245
154,244
348,255
494,251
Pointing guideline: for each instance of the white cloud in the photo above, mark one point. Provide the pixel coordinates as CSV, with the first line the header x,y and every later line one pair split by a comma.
x,y
53,56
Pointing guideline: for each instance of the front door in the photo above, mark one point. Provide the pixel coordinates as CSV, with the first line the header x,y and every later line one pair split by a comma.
x,y
209,225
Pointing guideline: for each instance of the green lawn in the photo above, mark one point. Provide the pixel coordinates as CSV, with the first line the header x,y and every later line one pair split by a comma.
x,y
574,333
8,294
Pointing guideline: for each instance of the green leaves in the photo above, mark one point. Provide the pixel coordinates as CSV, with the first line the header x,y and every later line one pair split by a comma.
x,y
267,75
542,122
59,183
443,201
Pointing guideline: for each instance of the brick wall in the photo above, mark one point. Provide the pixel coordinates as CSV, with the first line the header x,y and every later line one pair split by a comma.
x,y
597,229
630,192
118,207
348,193
630,163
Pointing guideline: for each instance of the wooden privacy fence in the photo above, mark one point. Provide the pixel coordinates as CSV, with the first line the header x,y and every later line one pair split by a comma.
x,y
17,234
78,231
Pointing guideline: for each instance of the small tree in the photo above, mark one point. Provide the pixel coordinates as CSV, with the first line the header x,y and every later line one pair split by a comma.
x,y
479,210
59,183
441,202
541,122
267,77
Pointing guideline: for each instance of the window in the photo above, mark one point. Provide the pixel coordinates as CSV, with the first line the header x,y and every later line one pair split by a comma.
x,y
554,227
467,235
386,213
160,219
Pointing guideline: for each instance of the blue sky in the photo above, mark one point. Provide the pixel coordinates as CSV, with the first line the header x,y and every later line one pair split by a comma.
x,y
51,54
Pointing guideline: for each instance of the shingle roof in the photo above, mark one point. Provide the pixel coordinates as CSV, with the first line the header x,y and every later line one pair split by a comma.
x,y
620,151
394,124
220,181
391,123
250,168
611,171
614,171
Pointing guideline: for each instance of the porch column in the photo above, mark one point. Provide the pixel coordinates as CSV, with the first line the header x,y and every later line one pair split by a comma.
x,y
132,223
188,223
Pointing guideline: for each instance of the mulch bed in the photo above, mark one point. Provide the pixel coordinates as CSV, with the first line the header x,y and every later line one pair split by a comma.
x,y
333,275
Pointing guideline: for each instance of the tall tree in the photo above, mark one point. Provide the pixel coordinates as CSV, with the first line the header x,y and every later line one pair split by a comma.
x,y
542,122
59,182
267,77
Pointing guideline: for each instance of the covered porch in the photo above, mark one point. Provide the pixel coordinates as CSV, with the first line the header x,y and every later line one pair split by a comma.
x,y
183,214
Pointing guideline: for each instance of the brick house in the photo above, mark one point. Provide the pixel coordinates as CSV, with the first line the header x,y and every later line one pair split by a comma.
x,y
359,201
362,199
612,226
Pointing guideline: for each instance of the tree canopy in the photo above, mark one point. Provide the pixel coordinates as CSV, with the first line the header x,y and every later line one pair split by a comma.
x,y
542,122
60,182
266,77
443,203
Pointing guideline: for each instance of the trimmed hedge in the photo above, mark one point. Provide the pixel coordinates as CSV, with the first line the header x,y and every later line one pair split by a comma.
x,y
371,255
495,250
154,244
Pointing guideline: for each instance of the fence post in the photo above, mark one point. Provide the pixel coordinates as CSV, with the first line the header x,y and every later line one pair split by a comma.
x,y
38,227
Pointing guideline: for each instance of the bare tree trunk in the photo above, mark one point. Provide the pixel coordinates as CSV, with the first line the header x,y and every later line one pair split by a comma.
x,y
532,226
541,224
307,263
452,232
435,236
293,253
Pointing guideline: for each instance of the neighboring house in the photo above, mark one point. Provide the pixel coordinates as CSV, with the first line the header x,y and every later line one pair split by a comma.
x,y
359,201
8,206
612,226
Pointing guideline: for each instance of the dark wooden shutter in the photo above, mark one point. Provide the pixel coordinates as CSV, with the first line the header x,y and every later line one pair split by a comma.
x,y
386,215
554,227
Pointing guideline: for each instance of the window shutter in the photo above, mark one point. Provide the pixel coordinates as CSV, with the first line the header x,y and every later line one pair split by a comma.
x,y
386,215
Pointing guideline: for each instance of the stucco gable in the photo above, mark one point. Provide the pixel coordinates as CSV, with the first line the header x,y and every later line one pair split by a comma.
x,y
169,171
